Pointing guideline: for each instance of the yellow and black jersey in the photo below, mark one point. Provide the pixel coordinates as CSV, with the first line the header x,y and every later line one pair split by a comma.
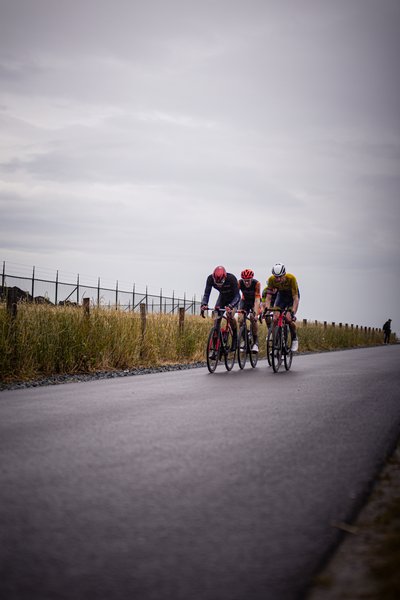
x,y
288,287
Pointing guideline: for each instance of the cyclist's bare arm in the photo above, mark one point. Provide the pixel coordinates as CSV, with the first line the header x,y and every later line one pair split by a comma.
x,y
295,304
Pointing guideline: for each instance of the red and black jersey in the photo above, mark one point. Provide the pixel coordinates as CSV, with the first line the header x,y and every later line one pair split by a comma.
x,y
249,294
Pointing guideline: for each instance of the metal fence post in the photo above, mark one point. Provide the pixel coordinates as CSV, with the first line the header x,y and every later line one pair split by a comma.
x,y
56,298
116,296
133,298
77,290
160,301
98,292
33,281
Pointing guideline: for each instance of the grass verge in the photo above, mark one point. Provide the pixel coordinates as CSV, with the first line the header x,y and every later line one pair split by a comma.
x,y
43,340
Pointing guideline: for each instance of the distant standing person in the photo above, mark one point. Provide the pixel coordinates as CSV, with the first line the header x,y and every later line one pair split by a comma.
x,y
386,328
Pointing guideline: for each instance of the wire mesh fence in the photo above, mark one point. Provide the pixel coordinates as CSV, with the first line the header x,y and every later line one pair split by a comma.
x,y
57,292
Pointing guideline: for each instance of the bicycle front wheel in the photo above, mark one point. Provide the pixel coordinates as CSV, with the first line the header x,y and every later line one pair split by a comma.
x,y
253,355
242,347
277,349
213,350
229,355
288,348
269,346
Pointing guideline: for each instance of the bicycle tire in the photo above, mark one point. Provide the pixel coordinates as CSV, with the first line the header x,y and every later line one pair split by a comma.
x,y
253,355
269,346
277,349
242,351
212,362
288,357
229,355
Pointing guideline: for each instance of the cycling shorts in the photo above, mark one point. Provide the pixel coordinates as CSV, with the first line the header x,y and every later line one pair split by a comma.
x,y
284,300
245,305
223,301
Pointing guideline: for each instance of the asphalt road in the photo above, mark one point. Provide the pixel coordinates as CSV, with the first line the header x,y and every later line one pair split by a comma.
x,y
190,486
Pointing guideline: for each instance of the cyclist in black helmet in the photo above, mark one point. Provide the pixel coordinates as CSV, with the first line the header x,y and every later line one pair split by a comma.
x,y
228,288
288,296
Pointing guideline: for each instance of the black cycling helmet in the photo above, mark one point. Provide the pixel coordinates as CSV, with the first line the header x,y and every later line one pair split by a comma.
x,y
278,270
219,275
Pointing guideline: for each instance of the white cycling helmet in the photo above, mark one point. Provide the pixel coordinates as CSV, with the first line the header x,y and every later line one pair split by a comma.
x,y
278,270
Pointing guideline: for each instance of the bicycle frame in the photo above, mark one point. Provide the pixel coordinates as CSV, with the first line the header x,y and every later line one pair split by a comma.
x,y
280,340
245,338
219,341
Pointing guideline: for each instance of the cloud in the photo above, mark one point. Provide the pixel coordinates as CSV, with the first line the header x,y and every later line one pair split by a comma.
x,y
149,142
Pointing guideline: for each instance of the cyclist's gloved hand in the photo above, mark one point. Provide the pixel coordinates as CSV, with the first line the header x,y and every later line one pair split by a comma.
x,y
203,309
229,308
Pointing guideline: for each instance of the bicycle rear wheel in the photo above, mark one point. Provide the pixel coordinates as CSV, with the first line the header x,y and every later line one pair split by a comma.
x,y
253,355
288,357
269,346
229,355
213,350
242,347
277,349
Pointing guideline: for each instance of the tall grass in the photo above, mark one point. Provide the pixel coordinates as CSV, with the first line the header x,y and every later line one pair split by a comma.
x,y
44,340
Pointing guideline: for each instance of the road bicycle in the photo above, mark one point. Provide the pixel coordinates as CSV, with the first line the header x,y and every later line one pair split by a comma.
x,y
281,350
220,341
269,336
245,342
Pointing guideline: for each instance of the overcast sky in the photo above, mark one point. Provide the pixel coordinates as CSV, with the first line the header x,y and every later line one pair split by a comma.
x,y
150,141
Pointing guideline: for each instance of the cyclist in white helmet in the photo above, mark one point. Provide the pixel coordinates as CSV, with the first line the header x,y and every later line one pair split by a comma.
x,y
288,296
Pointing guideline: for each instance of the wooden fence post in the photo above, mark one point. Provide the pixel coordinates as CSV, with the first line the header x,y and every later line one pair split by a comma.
x,y
86,306
304,322
325,325
143,317
181,318
333,324
12,302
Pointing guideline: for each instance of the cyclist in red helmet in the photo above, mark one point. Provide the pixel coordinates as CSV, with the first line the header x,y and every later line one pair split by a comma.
x,y
228,288
251,297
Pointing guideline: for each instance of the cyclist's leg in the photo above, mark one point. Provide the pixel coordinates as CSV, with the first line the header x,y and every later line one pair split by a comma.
x,y
280,302
241,309
293,328
233,324
255,327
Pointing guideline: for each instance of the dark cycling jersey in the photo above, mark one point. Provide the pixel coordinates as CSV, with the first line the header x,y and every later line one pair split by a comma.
x,y
228,291
249,294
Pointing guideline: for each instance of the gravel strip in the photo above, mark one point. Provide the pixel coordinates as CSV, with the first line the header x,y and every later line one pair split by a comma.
x,y
59,379
80,378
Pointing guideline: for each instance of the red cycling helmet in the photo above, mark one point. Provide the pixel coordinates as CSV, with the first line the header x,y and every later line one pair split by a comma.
x,y
219,275
247,274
